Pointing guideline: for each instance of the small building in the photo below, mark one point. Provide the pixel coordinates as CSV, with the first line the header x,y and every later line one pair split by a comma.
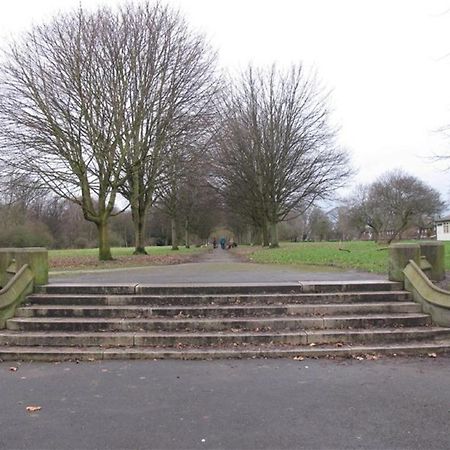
x,y
442,229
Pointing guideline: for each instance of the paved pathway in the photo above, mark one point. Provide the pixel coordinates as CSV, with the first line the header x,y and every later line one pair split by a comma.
x,y
254,404
218,266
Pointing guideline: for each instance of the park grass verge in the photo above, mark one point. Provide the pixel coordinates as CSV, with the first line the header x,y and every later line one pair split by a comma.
x,y
87,259
365,256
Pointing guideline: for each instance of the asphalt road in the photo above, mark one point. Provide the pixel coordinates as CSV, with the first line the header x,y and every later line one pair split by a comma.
x,y
251,404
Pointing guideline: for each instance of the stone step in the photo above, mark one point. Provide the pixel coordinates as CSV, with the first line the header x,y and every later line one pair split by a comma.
x,y
139,321
244,323
215,289
216,311
190,300
97,353
206,339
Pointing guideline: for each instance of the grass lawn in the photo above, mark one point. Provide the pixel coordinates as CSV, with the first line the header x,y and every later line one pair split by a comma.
x,y
79,259
361,255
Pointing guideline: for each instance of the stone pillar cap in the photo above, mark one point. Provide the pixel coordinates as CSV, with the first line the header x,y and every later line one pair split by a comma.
x,y
406,244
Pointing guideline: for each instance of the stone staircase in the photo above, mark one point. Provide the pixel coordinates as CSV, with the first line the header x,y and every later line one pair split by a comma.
x,y
88,322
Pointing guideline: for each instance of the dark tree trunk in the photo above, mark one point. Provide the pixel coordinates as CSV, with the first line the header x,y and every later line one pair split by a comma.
x,y
174,234
104,248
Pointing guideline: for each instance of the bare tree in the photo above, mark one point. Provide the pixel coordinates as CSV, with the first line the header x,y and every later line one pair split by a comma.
x,y
172,82
319,225
394,202
276,149
199,206
61,99
184,162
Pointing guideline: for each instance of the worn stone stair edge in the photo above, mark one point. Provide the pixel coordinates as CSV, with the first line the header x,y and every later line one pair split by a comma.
x,y
312,332
219,300
137,288
210,339
68,353
219,306
58,296
214,311
287,318
175,326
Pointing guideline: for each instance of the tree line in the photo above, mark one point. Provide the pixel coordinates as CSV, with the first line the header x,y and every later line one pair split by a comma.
x,y
121,111
395,206
30,216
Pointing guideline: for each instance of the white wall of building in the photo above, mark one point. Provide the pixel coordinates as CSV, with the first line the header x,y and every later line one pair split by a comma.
x,y
443,231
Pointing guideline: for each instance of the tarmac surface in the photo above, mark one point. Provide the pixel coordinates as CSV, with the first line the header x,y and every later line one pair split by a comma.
x,y
218,266
391,403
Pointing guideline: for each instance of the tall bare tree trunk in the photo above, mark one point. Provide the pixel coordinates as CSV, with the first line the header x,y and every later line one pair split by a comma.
x,y
174,234
104,248
186,230
274,235
139,231
265,234
376,236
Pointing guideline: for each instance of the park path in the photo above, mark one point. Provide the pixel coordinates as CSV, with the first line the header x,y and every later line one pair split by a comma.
x,y
217,266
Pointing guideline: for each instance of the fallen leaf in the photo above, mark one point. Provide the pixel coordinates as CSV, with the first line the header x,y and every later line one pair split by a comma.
x,y
33,408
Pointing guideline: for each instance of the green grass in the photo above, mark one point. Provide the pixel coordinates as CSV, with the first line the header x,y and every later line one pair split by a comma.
x,y
362,255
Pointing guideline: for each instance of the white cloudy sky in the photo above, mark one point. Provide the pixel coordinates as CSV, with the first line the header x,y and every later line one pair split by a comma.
x,y
386,61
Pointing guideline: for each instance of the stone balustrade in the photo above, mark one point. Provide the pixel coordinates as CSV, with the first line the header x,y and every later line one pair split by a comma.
x,y
21,270
428,255
12,259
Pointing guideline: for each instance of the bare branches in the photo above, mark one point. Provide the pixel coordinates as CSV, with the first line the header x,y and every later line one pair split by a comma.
x,y
59,108
171,83
92,102
276,151
394,202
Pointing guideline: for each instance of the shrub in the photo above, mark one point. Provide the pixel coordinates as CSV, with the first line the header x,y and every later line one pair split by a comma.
x,y
27,235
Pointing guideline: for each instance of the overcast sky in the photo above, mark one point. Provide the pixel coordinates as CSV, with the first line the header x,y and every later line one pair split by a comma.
x,y
387,63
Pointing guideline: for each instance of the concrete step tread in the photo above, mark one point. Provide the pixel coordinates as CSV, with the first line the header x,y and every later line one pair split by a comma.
x,y
244,351
183,286
403,330
239,295
215,307
214,319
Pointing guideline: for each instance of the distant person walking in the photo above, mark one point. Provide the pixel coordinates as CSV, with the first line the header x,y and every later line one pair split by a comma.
x,y
223,241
